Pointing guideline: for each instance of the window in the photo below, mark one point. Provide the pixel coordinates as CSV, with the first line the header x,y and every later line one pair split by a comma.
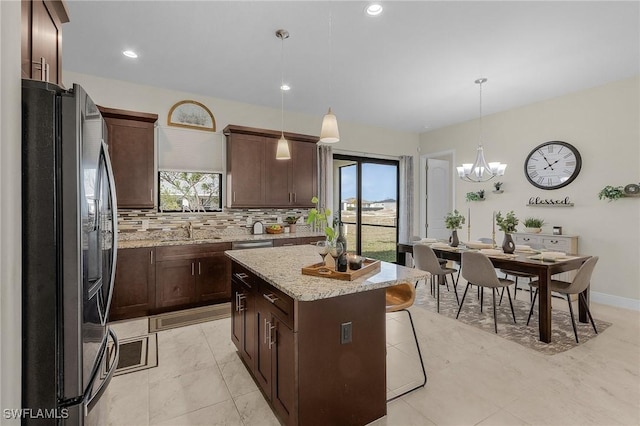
x,y
189,191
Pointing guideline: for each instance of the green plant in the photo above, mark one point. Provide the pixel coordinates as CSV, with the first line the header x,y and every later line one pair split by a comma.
x,y
497,185
508,223
475,196
318,217
291,219
611,193
454,220
533,222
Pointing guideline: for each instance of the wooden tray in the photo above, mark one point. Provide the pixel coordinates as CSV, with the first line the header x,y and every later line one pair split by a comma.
x,y
320,270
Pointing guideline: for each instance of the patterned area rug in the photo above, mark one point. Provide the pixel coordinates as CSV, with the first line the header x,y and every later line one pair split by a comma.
x,y
562,337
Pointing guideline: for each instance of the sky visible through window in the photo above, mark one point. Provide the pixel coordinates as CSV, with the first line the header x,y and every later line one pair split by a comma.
x,y
378,182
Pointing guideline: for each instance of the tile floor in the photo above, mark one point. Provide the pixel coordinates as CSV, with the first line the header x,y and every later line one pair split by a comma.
x,y
475,378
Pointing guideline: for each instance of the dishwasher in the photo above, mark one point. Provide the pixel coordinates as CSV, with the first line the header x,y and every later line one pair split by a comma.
x,y
240,245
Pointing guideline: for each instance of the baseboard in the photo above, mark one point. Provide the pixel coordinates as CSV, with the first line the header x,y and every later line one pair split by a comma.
x,y
617,301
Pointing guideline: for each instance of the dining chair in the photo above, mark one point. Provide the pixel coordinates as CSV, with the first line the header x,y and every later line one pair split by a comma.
x,y
478,270
398,298
426,260
579,284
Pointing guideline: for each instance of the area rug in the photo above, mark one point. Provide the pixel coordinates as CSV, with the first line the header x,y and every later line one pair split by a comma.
x,y
137,353
189,316
562,337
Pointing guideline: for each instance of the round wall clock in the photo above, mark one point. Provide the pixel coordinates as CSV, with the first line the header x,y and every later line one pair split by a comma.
x,y
552,165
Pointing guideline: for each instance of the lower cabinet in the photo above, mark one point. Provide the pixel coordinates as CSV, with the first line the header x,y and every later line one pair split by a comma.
x,y
134,292
243,324
192,275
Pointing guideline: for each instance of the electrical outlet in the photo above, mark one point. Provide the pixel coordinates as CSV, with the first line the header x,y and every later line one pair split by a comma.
x,y
278,219
345,332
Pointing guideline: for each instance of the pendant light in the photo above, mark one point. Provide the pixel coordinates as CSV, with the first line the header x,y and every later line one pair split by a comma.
x,y
329,132
480,171
282,150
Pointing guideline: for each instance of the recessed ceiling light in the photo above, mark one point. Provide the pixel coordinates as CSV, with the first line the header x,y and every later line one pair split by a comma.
x,y
374,9
130,54
285,87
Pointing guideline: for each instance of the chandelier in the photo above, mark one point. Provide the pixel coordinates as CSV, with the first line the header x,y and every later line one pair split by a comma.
x,y
480,170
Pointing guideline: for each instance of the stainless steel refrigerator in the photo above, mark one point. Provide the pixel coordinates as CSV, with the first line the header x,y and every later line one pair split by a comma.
x,y
69,240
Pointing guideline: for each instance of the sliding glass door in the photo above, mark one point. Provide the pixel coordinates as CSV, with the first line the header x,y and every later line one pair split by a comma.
x,y
368,196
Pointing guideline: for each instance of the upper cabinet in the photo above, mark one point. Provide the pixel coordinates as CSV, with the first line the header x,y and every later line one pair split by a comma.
x,y
130,136
42,39
256,179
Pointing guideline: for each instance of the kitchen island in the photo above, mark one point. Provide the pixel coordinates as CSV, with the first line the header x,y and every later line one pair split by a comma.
x,y
316,346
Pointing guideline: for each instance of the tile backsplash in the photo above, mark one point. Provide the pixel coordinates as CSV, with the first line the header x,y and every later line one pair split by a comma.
x,y
150,224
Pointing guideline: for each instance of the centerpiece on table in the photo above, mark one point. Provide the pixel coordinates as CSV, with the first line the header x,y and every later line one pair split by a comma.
x,y
507,224
454,221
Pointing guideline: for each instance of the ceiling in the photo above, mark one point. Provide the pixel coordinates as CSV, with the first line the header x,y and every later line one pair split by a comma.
x,y
410,69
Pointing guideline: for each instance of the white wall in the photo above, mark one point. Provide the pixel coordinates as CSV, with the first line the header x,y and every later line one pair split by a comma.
x,y
353,137
603,123
10,242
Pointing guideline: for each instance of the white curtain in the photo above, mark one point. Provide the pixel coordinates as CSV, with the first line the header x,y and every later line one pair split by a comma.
x,y
405,204
325,178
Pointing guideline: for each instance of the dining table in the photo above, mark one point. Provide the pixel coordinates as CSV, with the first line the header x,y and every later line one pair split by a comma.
x,y
520,261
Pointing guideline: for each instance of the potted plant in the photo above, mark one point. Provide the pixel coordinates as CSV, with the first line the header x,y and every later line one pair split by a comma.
x,y
454,221
507,224
476,196
533,225
611,193
291,220
498,187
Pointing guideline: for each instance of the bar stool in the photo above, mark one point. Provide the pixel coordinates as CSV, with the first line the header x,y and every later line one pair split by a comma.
x,y
399,298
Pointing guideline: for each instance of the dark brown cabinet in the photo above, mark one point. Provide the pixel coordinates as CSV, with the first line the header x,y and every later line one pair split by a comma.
x,y
131,147
256,179
41,40
192,275
243,314
134,291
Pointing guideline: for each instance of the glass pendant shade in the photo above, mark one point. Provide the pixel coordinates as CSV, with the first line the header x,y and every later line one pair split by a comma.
x,y
329,132
282,150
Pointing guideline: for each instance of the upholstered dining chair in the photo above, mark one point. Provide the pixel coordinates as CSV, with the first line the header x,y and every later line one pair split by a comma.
x,y
426,260
398,298
579,284
478,270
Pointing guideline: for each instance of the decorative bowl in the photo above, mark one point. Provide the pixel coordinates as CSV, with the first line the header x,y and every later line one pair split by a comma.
x,y
271,230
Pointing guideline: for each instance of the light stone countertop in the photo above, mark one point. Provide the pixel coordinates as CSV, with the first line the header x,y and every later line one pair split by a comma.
x,y
282,268
218,239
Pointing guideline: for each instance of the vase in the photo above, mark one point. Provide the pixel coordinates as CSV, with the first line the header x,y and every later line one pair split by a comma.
x,y
507,245
453,240
292,227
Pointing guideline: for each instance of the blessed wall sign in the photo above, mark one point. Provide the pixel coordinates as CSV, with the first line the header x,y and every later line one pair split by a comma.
x,y
549,202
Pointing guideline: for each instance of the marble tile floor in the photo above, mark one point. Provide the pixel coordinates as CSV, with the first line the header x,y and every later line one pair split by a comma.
x,y
475,377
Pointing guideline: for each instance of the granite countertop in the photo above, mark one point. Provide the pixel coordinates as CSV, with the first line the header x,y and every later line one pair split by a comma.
x,y
282,268
217,239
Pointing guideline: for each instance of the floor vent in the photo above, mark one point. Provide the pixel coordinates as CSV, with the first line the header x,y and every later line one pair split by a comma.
x,y
189,316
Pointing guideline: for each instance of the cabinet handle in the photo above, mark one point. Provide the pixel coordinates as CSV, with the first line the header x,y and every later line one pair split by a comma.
x,y
241,297
151,194
266,331
271,335
151,256
234,196
295,198
554,241
192,269
270,297
526,239
199,269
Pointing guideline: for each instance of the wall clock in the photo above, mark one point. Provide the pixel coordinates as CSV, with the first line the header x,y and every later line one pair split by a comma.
x,y
552,165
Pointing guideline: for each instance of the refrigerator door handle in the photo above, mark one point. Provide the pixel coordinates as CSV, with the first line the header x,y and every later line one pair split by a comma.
x,y
93,398
114,222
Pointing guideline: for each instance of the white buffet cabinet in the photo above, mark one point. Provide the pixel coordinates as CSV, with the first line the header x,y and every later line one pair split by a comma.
x,y
563,243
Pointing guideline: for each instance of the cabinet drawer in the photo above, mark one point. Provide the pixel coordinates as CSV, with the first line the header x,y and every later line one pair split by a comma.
x,y
244,277
560,244
281,303
527,239
190,251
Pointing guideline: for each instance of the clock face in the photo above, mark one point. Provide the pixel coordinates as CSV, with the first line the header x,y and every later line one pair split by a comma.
x,y
552,165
